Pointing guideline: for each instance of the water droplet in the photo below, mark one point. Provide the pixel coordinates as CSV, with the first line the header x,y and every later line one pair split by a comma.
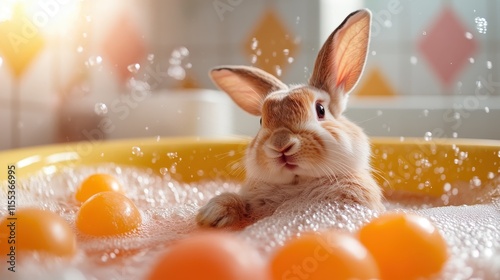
x,y
286,51
471,60
173,169
79,49
388,23
183,51
98,59
428,136
137,151
297,20
176,72
454,135
172,155
413,60
151,57
374,53
85,35
456,115
379,112
146,128
425,113
462,155
158,138
188,65
491,175
487,109
489,65
134,68
100,109
481,25
254,44
200,173
401,139
475,181
290,59
163,171
479,84
447,187
468,35
424,33
253,59
278,70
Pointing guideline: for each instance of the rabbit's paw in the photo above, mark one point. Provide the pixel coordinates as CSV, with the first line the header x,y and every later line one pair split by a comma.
x,y
225,210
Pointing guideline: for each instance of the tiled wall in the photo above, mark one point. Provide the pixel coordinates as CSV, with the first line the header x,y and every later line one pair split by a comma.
x,y
87,54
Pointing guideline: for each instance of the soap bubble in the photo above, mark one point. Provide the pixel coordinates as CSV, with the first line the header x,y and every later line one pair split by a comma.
x,y
175,69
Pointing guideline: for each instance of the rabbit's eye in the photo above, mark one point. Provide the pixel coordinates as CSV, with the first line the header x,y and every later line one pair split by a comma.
x,y
320,111
261,121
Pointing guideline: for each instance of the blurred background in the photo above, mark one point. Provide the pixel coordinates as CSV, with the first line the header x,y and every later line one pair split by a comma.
x,y
88,70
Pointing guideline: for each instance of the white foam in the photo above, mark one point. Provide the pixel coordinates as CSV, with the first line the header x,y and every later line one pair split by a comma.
x,y
169,207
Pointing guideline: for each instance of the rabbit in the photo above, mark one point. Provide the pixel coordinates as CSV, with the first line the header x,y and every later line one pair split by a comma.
x,y
305,147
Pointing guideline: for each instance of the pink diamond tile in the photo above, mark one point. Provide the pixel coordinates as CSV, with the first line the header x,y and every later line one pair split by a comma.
x,y
123,46
447,46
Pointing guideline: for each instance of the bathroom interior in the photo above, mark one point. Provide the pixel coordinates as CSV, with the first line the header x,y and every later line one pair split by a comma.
x,y
74,74
432,69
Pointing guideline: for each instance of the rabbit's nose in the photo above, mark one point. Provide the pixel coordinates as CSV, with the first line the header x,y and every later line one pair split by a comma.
x,y
284,142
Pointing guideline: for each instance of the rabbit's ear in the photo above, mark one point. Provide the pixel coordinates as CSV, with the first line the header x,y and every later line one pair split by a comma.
x,y
342,58
247,86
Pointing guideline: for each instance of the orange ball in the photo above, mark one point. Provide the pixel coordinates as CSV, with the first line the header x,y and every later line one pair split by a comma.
x,y
209,256
36,230
330,255
405,246
108,213
97,183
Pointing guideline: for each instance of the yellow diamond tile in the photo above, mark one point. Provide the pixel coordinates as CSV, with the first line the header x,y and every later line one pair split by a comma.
x,y
20,41
374,84
270,44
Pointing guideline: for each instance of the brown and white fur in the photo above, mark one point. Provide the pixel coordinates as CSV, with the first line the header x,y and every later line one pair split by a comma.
x,y
299,150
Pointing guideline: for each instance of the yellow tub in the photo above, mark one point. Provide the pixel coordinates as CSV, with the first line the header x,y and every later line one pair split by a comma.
x,y
412,165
